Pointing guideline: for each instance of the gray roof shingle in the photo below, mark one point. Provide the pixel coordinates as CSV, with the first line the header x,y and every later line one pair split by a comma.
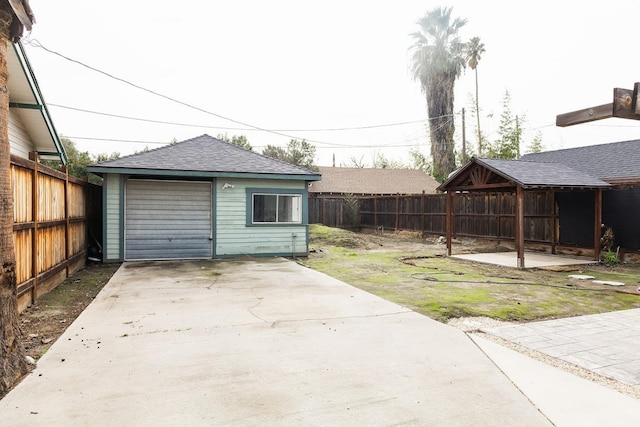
x,y
203,154
618,160
532,174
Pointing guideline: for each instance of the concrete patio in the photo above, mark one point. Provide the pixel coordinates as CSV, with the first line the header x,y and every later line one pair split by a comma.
x,y
531,259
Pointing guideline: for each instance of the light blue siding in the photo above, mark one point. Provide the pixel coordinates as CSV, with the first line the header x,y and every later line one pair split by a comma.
x,y
112,220
233,237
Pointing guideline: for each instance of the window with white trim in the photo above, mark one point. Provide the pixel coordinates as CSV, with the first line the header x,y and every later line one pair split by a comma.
x,y
276,208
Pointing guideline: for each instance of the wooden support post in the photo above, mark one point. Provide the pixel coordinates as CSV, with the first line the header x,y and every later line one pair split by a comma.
x,y
519,223
35,257
597,226
449,222
624,104
554,222
498,215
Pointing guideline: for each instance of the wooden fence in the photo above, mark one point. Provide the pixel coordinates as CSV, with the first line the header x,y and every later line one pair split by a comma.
x,y
488,215
52,212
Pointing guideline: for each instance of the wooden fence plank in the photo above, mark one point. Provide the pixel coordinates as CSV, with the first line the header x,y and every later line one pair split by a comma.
x,y
478,214
51,217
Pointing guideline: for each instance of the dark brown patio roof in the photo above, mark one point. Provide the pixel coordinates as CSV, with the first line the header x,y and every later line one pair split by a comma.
x,y
486,174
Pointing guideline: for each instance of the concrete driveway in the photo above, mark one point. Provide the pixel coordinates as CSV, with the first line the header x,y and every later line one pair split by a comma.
x,y
259,342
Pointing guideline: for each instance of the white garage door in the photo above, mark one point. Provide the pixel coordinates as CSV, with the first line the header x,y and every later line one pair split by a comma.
x,y
168,220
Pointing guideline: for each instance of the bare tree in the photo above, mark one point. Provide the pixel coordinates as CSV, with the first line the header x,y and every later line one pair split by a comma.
x,y
15,17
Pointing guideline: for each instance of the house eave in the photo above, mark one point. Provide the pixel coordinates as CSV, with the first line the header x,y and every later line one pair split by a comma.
x,y
201,174
28,98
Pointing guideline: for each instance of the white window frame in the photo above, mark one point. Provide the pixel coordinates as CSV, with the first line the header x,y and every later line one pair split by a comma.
x,y
295,211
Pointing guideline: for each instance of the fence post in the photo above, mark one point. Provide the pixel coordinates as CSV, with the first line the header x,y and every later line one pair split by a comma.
x,y
397,212
375,212
422,198
33,156
67,231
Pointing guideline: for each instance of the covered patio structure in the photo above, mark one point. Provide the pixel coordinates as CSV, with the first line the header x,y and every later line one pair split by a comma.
x,y
519,177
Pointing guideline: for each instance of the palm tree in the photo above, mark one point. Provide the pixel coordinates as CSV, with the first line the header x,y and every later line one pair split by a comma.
x,y
15,16
474,51
438,59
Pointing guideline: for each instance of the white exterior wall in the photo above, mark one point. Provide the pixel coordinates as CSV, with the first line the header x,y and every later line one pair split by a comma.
x,y
112,220
19,141
234,237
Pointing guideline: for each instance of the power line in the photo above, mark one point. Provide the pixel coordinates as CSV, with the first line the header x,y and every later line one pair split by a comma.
x,y
82,110
134,141
37,44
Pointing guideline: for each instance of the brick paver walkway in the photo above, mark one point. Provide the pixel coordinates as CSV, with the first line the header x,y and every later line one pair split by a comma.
x,y
607,343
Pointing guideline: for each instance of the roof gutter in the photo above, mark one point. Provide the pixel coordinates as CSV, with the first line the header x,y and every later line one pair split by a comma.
x,y
40,104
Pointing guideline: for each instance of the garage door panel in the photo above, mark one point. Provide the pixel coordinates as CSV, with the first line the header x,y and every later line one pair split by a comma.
x,y
168,220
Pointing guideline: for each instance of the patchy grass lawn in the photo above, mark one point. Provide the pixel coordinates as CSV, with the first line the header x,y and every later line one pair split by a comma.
x,y
415,273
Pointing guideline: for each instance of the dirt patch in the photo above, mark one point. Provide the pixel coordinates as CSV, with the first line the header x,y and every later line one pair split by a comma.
x,y
44,322
413,271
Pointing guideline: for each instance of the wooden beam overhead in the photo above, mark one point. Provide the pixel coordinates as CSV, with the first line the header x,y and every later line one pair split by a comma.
x,y
625,105
506,185
586,115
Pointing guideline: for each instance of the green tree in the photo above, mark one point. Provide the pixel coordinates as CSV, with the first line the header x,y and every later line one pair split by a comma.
x,y
536,145
299,153
238,140
473,53
380,161
15,17
419,161
509,131
77,161
437,61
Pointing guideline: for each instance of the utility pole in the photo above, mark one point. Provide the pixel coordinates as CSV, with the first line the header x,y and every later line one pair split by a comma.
x,y
464,140
518,136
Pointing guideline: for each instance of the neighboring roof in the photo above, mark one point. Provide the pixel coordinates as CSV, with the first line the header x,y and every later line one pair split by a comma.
x,y
609,162
373,181
482,174
203,156
27,101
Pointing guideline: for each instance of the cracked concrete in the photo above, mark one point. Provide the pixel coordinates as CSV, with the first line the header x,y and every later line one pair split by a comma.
x,y
311,351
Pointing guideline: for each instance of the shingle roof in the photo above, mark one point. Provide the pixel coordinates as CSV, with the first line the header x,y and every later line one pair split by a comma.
x,y
509,173
532,174
203,154
618,160
373,181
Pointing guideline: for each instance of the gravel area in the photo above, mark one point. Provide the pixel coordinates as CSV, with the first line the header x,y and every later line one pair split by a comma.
x,y
473,325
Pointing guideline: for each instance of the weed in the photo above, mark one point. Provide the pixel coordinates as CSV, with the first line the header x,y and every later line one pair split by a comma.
x,y
610,259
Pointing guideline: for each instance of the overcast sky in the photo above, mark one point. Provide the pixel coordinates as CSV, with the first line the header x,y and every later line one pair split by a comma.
x,y
302,69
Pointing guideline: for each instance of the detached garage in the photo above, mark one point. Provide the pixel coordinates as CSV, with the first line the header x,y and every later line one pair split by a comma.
x,y
203,198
